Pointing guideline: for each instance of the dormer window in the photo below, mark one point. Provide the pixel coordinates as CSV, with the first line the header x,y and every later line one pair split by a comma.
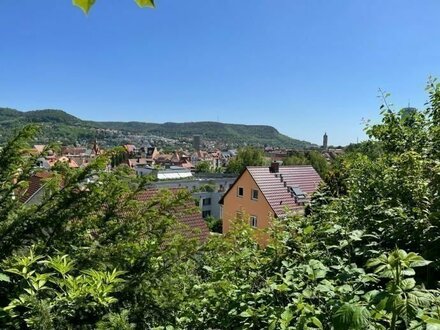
x,y
298,194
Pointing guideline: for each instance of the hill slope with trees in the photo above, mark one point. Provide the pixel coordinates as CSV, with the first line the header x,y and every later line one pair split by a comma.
x,y
61,126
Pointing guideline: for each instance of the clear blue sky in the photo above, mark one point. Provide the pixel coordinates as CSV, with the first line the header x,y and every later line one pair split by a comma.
x,y
303,66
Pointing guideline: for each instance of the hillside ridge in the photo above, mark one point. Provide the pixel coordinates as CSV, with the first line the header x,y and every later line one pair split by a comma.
x,y
69,129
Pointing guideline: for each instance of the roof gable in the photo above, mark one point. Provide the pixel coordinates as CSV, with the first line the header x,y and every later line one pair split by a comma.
x,y
186,214
275,186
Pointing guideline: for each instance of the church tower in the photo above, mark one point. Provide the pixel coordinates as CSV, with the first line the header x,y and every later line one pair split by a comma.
x,y
325,141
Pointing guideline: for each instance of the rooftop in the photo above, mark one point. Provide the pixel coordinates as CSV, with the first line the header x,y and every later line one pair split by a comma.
x,y
279,188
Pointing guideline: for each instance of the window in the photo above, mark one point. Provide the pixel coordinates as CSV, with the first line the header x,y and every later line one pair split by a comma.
x,y
206,214
240,191
206,201
253,221
254,194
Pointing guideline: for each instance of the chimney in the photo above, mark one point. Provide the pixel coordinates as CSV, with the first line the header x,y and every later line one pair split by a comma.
x,y
274,167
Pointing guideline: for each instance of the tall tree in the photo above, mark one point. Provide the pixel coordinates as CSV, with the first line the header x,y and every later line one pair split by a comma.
x,y
248,156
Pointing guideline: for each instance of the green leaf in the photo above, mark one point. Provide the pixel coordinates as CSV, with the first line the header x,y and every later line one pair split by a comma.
x,y
145,3
408,284
317,322
431,323
286,318
351,316
308,230
430,320
85,5
4,278
416,260
247,313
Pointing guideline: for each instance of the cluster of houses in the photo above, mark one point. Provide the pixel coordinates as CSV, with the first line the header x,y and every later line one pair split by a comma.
x,y
74,157
258,195
146,157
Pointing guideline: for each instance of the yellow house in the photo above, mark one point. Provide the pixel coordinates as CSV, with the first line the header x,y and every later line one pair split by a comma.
x,y
262,193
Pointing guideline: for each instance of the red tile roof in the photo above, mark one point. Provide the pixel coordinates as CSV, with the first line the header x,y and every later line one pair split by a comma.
x,y
73,151
130,147
35,184
187,214
276,191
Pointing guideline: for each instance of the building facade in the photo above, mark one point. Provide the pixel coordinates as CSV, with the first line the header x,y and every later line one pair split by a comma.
x,y
262,193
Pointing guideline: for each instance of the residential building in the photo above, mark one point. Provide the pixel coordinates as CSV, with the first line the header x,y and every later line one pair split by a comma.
x,y
35,189
207,189
262,193
187,214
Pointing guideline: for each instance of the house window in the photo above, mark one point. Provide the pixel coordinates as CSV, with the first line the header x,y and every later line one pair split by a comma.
x,y
206,214
206,201
253,221
240,191
254,194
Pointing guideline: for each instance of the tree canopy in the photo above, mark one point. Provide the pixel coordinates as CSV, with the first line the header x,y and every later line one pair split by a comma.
x,y
248,156
311,157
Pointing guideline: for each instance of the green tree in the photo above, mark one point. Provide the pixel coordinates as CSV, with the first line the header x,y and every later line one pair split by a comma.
x,y
312,157
126,248
215,225
248,156
203,167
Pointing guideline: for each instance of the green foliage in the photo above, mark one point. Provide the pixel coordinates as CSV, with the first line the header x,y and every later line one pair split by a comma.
x,y
145,3
204,167
93,219
215,225
207,187
401,298
248,156
55,299
312,157
86,5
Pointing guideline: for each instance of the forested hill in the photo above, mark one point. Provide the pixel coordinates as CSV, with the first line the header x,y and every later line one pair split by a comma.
x,y
61,126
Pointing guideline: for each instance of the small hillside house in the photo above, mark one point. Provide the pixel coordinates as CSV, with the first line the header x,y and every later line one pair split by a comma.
x,y
262,193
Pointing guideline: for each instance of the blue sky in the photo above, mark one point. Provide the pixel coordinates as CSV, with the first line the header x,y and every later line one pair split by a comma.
x,y
302,66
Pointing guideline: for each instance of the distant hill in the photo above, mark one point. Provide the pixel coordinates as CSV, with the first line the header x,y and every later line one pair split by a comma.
x,y
61,126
